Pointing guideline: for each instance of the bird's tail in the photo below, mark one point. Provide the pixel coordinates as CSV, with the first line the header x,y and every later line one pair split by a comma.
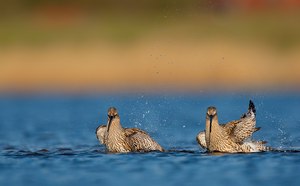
x,y
251,110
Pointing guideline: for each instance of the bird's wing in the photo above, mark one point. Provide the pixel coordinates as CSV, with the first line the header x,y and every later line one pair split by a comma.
x,y
140,140
241,129
129,132
201,139
100,133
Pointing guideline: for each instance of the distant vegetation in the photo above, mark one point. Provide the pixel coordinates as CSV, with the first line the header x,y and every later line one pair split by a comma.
x,y
35,22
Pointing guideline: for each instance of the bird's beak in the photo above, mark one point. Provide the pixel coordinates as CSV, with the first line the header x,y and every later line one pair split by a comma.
x,y
210,122
110,118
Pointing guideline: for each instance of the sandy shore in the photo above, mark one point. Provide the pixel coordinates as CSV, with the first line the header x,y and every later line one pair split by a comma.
x,y
147,65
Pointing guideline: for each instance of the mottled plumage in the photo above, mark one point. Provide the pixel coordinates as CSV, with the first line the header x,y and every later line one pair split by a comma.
x,y
118,139
234,136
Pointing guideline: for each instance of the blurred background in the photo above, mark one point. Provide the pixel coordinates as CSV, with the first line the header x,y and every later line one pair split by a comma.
x,y
90,45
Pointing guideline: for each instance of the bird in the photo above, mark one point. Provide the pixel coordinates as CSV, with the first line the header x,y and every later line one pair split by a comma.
x,y
123,140
232,137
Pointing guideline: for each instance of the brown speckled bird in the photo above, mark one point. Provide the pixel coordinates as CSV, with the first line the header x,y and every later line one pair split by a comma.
x,y
119,140
232,137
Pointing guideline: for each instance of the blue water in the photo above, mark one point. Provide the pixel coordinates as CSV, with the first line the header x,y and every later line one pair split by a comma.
x,y
50,140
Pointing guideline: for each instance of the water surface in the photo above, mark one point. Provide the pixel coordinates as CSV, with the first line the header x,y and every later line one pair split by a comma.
x,y
50,140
